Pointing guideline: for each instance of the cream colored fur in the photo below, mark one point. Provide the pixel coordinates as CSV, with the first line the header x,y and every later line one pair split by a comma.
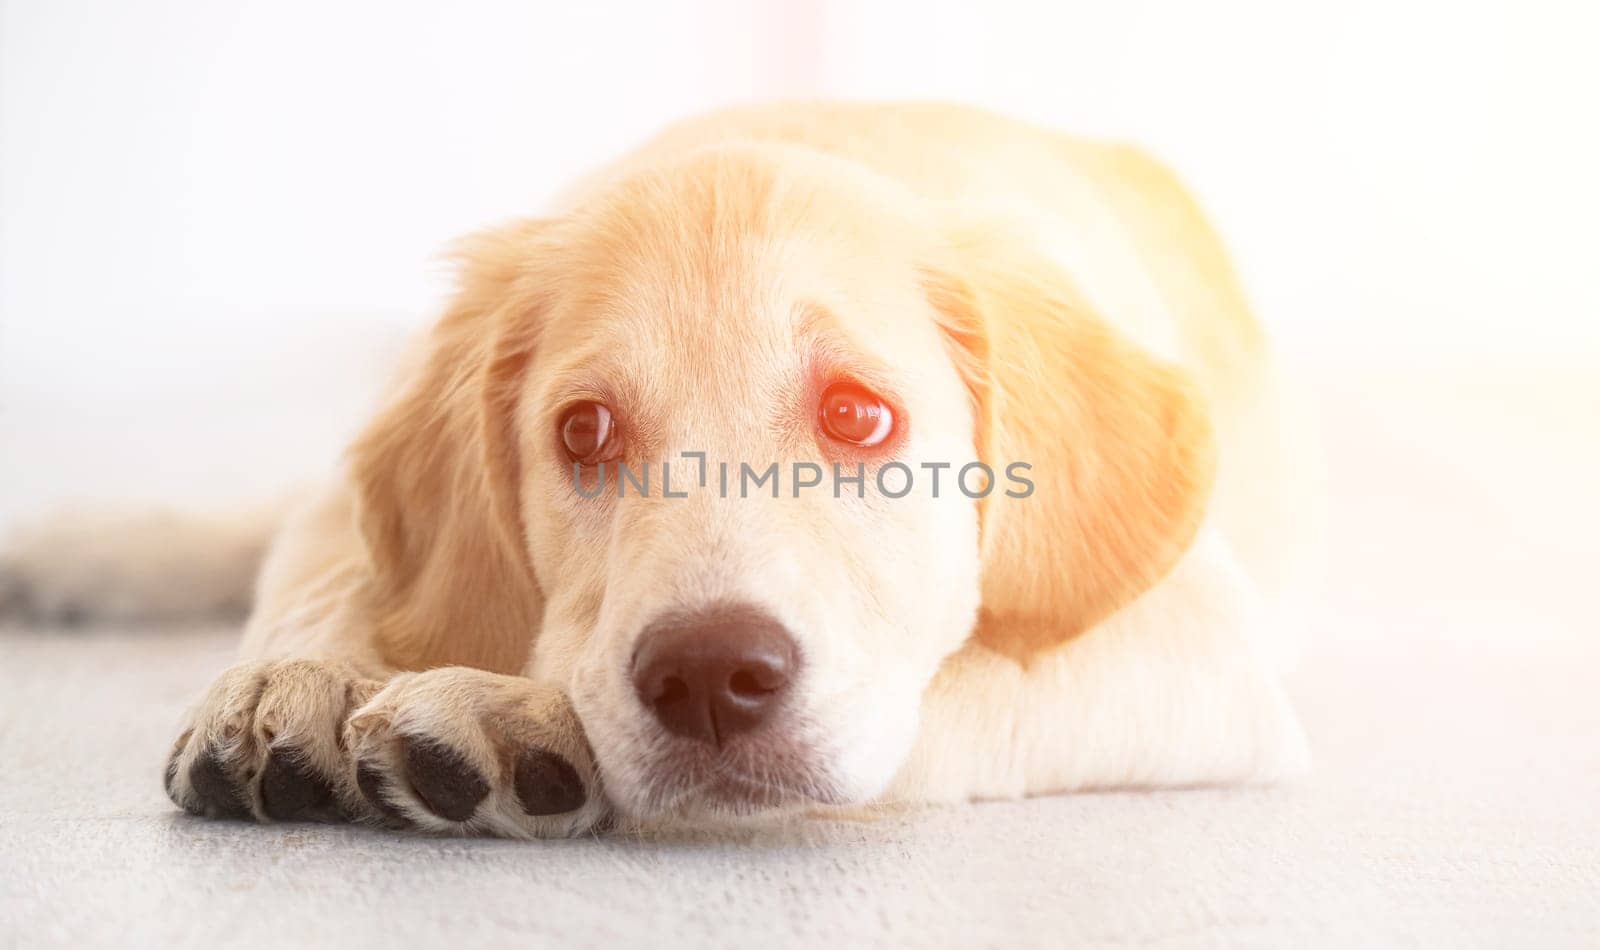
x,y
1023,295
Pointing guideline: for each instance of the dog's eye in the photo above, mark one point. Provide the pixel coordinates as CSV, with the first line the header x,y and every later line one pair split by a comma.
x,y
586,432
855,415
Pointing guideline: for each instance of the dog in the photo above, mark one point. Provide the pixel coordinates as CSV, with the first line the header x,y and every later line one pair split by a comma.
x,y
1026,515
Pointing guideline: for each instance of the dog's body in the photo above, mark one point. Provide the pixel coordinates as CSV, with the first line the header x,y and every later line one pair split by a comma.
x,y
445,638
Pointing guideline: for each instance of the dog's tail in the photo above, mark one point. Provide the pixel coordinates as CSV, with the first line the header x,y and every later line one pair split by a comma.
x,y
134,567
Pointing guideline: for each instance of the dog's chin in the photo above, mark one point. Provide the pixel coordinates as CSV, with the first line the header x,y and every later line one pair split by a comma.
x,y
738,796
694,785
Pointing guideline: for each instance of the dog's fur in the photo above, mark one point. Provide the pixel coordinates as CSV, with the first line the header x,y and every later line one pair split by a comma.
x,y
1020,296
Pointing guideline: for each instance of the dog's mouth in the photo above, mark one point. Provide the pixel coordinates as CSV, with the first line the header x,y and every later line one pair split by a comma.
x,y
738,781
747,794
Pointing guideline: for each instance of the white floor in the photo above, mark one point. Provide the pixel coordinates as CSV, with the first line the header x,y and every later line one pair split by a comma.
x,y
1452,694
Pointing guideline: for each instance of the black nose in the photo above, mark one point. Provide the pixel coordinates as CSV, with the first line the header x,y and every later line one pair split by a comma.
x,y
714,674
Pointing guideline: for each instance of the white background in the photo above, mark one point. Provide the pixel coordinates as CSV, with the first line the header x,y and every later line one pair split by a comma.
x,y
212,213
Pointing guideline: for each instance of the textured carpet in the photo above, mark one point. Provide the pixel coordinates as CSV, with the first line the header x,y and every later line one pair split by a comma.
x,y
1451,692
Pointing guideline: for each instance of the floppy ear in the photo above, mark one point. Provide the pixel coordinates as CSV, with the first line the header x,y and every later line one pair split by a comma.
x,y
1120,446
437,474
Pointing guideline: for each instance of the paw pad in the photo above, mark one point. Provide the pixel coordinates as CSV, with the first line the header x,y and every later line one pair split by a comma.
x,y
443,779
547,784
216,794
292,791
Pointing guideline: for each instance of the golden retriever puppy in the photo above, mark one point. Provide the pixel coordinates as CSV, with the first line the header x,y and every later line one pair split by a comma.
x,y
809,455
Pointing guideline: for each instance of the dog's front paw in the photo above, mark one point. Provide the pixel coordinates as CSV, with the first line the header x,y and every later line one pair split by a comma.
x,y
265,743
462,751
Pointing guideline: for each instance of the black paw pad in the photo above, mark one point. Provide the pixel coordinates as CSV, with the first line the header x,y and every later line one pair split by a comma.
x,y
446,782
215,793
373,788
547,784
291,791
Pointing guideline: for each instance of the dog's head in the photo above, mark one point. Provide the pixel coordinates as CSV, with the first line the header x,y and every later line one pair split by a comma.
x,y
797,362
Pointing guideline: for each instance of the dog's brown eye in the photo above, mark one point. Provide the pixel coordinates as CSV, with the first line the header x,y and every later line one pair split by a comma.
x,y
586,432
855,415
